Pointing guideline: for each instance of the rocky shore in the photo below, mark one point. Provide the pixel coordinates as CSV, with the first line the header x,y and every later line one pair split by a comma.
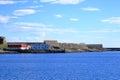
x,y
56,51
30,51
7,52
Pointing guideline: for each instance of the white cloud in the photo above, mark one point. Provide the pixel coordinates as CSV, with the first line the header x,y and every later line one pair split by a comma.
x,y
27,27
115,20
47,0
36,31
58,16
90,9
28,24
36,6
7,2
4,19
37,38
38,28
63,1
4,2
74,19
105,31
23,12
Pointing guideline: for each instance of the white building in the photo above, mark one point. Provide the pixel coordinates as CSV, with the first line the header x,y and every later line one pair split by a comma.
x,y
40,46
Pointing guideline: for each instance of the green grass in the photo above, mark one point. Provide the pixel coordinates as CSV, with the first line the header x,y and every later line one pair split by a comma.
x,y
2,46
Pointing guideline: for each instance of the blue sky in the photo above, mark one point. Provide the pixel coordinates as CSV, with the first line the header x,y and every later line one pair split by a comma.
x,y
77,21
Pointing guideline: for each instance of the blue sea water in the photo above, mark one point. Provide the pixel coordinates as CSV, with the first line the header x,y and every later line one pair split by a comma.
x,y
76,66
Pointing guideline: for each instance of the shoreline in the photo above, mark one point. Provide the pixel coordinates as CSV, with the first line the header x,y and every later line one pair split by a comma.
x,y
31,51
9,52
51,51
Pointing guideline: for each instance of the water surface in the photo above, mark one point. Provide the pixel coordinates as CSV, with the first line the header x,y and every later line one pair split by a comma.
x,y
76,66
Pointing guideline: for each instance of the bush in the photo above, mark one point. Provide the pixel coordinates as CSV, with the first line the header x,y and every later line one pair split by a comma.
x,y
2,46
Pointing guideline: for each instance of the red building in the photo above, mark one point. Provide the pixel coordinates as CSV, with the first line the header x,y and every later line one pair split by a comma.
x,y
18,46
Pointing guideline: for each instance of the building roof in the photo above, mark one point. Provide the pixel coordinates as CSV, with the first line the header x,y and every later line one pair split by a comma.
x,y
25,42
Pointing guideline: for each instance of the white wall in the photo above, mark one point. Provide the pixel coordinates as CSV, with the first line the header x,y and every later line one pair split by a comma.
x,y
40,47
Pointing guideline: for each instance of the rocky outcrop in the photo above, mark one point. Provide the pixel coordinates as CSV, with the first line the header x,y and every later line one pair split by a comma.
x,y
3,43
95,47
74,47
53,43
2,40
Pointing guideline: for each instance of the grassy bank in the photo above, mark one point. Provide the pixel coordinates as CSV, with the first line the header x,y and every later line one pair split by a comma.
x,y
2,46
